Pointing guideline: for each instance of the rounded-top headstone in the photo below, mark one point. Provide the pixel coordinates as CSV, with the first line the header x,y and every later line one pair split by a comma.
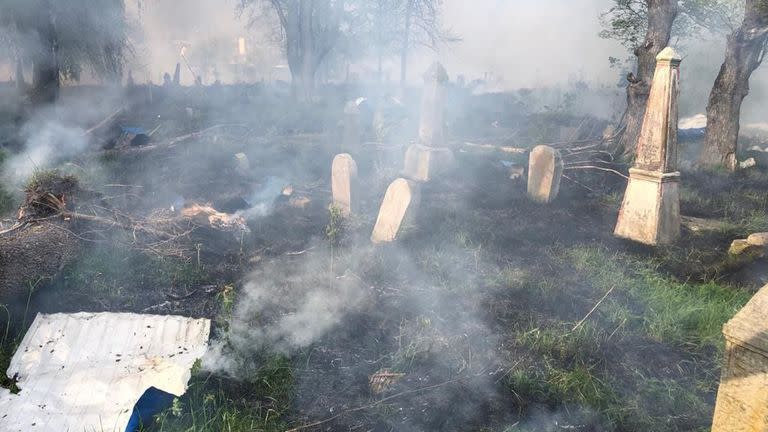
x,y
436,73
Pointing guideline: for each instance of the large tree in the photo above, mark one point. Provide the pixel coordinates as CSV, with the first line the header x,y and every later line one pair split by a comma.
x,y
645,27
309,29
59,38
626,21
744,53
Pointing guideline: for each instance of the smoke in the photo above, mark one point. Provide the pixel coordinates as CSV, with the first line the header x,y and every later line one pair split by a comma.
x,y
48,142
55,134
286,305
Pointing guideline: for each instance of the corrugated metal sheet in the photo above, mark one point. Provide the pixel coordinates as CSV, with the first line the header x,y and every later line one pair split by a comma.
x,y
85,371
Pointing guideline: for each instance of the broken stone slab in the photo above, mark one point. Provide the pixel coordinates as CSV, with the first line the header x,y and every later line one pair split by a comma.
x,y
740,247
545,170
754,245
399,204
516,172
343,183
749,163
758,239
742,398
423,163
650,211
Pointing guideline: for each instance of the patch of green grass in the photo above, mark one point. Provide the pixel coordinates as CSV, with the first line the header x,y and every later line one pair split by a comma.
x,y
579,387
217,404
7,202
683,314
584,345
114,273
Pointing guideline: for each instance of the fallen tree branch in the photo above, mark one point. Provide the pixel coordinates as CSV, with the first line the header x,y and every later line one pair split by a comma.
x,y
100,124
592,310
596,168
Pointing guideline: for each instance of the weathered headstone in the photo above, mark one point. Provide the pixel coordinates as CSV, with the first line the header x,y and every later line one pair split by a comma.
x,y
430,156
177,75
650,212
545,170
351,139
399,202
242,164
742,399
343,181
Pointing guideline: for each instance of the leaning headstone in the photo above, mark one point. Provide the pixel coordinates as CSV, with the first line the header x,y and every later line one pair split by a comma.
x,y
343,180
742,399
650,212
429,157
399,202
545,170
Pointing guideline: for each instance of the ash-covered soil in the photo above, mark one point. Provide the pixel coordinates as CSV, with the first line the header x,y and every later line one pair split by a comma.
x,y
479,312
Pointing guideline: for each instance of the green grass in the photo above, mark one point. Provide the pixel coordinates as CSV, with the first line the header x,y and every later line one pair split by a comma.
x,y
683,314
115,274
216,404
7,201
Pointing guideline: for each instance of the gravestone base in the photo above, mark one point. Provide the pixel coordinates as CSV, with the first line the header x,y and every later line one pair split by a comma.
x,y
742,399
423,163
650,212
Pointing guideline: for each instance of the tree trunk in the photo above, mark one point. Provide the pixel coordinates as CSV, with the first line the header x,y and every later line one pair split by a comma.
x,y
743,54
406,45
661,16
45,68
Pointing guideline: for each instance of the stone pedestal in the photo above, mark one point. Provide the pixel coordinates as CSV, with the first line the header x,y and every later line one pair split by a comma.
x,y
742,399
545,170
423,163
429,157
650,212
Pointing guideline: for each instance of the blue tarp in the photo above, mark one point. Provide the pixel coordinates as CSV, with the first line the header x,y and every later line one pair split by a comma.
x,y
150,404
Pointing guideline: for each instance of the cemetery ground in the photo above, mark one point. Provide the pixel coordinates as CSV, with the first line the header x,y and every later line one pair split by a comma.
x,y
490,312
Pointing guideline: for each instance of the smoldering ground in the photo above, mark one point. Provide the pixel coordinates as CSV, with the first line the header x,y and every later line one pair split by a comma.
x,y
474,304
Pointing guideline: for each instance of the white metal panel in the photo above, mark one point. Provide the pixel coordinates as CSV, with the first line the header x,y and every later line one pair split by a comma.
x,y
85,371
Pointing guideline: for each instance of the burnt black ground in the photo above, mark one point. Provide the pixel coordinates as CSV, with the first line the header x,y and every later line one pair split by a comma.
x,y
433,307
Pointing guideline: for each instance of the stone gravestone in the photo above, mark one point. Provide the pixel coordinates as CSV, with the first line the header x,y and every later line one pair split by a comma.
x,y
242,164
545,170
430,156
650,212
343,181
400,201
352,130
742,399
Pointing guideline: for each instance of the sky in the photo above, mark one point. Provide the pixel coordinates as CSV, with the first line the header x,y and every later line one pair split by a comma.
x,y
530,43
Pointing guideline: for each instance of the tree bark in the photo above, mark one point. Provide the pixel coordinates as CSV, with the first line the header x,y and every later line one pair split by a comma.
x,y
45,68
743,54
406,44
661,17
